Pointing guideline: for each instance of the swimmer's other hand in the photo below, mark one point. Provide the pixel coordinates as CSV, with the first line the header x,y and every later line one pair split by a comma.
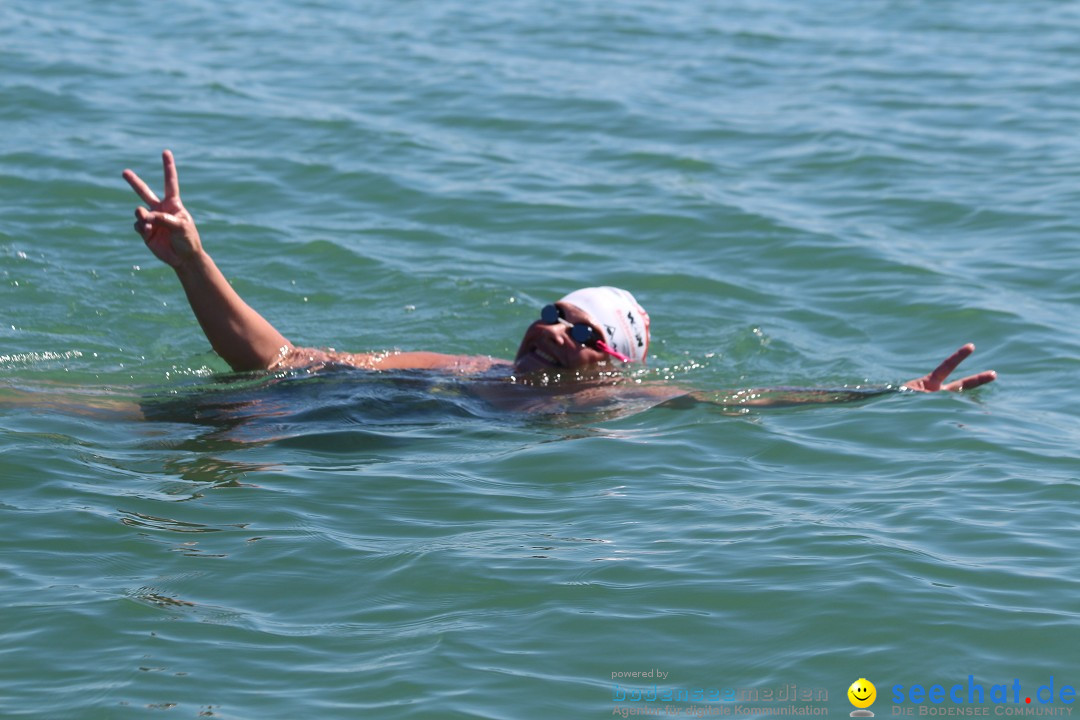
x,y
935,381
166,227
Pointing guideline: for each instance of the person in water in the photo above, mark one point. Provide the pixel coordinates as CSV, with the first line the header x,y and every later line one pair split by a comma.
x,y
589,331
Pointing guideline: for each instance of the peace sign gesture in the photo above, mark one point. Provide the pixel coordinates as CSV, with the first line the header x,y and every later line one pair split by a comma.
x,y
167,227
935,381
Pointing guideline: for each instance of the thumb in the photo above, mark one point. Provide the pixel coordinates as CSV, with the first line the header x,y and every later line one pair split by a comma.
x,y
166,218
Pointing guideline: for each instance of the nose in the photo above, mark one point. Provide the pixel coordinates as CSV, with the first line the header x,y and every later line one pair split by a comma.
x,y
558,333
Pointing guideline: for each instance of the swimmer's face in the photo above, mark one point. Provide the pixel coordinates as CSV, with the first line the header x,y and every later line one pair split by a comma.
x,y
547,348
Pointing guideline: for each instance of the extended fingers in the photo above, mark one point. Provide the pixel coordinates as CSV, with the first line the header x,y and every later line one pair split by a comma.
x,y
172,181
945,369
972,381
141,188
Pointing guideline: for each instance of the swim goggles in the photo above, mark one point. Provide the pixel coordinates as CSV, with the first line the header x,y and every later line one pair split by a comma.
x,y
582,333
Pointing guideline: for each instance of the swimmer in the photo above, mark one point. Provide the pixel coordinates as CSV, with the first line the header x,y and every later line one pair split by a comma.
x,y
589,332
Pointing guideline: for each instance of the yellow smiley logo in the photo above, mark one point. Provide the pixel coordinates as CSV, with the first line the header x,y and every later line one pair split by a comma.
x,y
862,693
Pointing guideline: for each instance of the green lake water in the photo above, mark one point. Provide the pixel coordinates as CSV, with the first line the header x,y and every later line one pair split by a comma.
x,y
801,194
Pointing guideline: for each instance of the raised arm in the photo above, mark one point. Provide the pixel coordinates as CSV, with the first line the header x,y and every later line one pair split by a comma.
x,y
789,396
241,336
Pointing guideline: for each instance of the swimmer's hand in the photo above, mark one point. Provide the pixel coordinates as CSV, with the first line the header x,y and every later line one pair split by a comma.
x,y
166,227
935,381
241,336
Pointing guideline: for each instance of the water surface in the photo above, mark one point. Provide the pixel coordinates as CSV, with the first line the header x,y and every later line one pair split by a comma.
x,y
822,194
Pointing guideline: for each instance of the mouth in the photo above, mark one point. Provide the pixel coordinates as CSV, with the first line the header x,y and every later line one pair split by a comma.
x,y
860,698
546,357
536,359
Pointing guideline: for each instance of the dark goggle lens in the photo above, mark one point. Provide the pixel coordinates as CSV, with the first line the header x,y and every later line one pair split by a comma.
x,y
580,332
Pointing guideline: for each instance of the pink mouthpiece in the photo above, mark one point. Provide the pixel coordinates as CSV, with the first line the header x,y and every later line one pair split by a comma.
x,y
611,351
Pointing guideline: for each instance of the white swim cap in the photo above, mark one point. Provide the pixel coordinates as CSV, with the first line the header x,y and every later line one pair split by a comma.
x,y
616,311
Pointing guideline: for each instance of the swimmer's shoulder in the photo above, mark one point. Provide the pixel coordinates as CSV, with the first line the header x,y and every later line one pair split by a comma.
x,y
463,364
299,358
